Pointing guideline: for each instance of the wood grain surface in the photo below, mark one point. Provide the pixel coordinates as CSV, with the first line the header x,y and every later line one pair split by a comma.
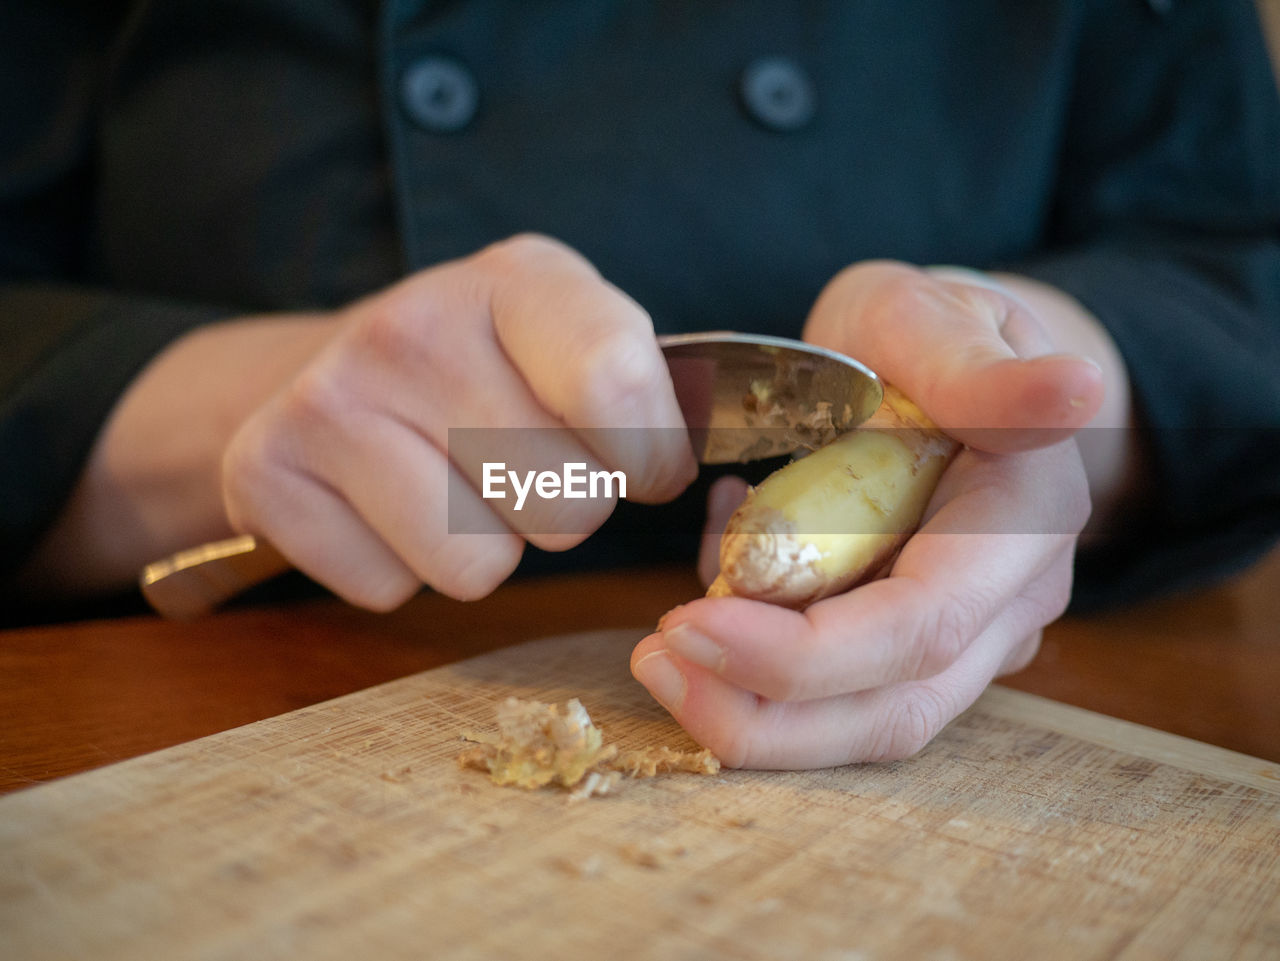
x,y
1028,829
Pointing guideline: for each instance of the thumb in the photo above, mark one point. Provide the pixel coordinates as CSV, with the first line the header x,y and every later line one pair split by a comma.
x,y
722,500
969,352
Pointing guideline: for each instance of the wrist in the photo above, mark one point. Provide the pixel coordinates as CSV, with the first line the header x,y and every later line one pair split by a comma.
x,y
152,481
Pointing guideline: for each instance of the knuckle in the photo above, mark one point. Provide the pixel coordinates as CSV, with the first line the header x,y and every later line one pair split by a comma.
x,y
910,724
314,403
945,633
1022,655
1078,505
252,472
869,288
243,466
743,738
794,672
938,652
615,372
1053,592
619,378
390,329
1054,480
731,749
784,684
523,251
562,524
1059,598
866,274
734,745
382,593
477,573
895,292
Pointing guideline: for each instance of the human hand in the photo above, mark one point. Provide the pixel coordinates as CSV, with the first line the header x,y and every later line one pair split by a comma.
x,y
347,469
876,673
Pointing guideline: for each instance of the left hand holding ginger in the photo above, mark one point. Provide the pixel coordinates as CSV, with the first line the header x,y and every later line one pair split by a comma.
x,y
876,673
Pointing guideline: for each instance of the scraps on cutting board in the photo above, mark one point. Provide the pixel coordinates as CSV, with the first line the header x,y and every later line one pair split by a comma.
x,y
539,744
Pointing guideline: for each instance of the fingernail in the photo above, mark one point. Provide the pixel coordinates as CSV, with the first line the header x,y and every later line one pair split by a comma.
x,y
693,645
658,672
663,619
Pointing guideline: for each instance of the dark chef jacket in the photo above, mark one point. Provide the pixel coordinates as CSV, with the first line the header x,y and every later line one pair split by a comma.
x,y
164,163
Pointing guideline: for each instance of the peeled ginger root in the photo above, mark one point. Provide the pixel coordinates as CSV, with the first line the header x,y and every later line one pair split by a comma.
x,y
838,517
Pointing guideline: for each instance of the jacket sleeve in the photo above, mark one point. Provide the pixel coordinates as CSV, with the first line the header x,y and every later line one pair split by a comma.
x,y
1168,228
68,347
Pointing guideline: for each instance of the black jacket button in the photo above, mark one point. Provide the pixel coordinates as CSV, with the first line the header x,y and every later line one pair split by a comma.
x,y
778,93
439,94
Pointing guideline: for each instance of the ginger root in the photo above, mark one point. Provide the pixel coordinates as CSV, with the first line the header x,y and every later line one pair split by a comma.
x,y
837,517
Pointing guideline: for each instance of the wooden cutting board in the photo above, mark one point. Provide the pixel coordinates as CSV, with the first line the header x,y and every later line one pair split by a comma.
x,y
1026,830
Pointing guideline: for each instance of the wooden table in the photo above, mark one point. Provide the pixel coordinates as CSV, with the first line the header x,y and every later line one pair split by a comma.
x,y
1027,828
81,695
